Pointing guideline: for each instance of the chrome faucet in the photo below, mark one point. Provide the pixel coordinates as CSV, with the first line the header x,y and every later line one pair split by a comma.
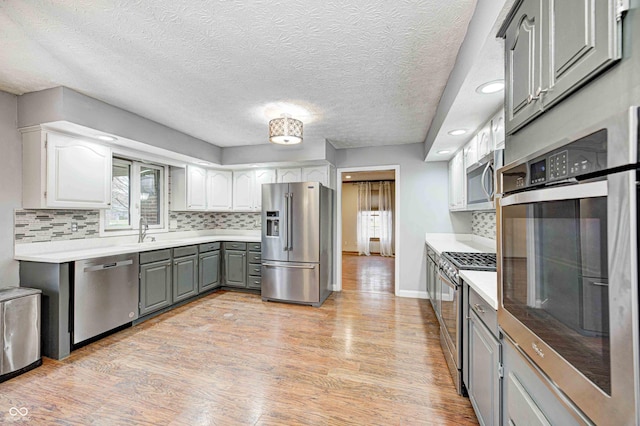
x,y
142,229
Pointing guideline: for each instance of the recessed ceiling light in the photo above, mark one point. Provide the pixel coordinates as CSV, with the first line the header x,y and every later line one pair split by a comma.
x,y
491,87
457,132
107,138
348,176
254,165
203,163
443,151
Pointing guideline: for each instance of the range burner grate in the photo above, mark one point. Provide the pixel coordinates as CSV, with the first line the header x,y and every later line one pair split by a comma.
x,y
472,261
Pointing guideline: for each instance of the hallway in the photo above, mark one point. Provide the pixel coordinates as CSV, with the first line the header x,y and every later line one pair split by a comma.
x,y
369,274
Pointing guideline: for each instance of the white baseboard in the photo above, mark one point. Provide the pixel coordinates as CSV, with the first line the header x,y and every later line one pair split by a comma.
x,y
413,294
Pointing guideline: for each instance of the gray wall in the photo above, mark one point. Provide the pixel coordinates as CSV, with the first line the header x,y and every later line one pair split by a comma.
x,y
423,204
11,178
611,93
61,103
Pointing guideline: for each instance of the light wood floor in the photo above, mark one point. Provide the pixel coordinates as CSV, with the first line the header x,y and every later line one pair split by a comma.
x,y
373,274
362,358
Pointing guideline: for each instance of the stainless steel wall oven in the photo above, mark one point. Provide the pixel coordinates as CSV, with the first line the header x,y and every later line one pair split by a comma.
x,y
567,266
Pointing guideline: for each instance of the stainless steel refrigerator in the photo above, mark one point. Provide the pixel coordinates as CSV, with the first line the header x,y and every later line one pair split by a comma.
x,y
297,242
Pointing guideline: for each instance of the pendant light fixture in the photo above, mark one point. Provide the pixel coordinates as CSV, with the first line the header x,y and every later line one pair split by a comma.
x,y
285,130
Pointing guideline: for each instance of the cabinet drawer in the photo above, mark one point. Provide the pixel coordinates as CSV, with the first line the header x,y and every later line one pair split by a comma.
x,y
185,251
255,257
209,247
485,312
255,269
155,256
235,246
254,282
255,246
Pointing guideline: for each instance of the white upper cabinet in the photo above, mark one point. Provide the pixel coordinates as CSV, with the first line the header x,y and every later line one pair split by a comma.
x,y
247,188
323,174
497,130
290,175
457,187
485,145
470,152
219,190
196,188
65,172
262,176
243,193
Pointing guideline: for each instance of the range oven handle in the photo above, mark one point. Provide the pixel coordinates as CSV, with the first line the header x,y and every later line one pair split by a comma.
x,y
447,282
558,193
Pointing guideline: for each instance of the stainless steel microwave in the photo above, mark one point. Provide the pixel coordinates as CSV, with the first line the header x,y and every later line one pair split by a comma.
x,y
481,181
567,242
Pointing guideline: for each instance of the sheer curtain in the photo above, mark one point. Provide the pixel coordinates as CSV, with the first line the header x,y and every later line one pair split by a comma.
x,y
364,213
386,219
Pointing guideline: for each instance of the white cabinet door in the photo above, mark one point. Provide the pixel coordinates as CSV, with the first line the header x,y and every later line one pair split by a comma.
x,y
262,177
78,173
457,198
290,175
219,190
243,196
497,130
316,174
470,150
196,188
484,141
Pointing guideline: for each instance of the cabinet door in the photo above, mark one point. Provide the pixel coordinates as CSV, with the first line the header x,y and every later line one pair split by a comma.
x,y
289,175
262,177
185,277
316,174
235,268
219,190
155,286
78,173
497,131
243,198
470,152
209,270
583,40
484,141
196,188
484,378
452,196
523,64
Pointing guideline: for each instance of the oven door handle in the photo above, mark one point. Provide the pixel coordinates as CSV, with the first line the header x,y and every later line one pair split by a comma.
x,y
559,193
447,282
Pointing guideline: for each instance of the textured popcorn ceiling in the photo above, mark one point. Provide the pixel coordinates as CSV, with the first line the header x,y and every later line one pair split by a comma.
x,y
367,72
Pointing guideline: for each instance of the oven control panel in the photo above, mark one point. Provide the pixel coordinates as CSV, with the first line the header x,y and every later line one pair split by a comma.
x,y
573,160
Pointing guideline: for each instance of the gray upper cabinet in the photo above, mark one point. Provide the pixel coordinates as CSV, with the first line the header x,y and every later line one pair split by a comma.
x,y
235,267
552,48
185,277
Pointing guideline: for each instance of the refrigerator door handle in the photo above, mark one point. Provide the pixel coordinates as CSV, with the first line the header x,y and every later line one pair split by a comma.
x,y
273,265
286,229
290,222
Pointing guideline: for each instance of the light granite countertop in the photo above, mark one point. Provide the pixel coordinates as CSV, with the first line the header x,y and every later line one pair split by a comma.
x,y
484,283
69,251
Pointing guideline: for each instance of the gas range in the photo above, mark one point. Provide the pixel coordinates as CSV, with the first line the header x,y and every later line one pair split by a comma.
x,y
452,262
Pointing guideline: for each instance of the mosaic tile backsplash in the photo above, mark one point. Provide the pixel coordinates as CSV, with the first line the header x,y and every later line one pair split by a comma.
x,y
34,226
484,224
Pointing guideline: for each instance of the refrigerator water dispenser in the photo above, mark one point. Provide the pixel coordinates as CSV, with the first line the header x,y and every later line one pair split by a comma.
x,y
273,224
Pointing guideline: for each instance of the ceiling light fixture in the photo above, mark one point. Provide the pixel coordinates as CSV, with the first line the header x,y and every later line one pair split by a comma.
x,y
490,87
348,176
107,138
457,132
285,130
443,151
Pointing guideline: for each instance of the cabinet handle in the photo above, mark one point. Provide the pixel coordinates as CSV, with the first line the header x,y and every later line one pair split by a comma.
x,y
538,95
478,308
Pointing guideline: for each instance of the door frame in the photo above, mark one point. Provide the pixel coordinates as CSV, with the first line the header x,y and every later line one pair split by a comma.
x,y
396,221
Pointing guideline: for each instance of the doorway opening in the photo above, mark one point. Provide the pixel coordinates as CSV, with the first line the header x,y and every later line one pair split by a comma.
x,y
367,255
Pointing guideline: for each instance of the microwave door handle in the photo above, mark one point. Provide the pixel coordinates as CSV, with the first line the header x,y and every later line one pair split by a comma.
x,y
483,180
493,175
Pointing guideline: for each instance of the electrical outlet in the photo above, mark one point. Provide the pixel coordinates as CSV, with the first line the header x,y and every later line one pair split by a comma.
x,y
173,224
74,227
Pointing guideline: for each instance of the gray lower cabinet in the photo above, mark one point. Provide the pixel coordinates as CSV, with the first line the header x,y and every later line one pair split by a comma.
x,y
254,266
551,49
484,374
209,270
155,283
235,268
528,397
185,275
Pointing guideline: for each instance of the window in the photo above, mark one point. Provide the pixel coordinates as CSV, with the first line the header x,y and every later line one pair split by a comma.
x,y
131,181
374,225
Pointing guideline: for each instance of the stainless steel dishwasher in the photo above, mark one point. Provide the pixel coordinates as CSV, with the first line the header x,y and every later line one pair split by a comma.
x,y
105,295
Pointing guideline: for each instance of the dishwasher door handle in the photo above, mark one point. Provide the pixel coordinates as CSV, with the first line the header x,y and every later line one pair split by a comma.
x,y
108,266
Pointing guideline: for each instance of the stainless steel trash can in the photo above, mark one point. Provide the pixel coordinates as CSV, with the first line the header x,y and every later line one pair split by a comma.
x,y
19,331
